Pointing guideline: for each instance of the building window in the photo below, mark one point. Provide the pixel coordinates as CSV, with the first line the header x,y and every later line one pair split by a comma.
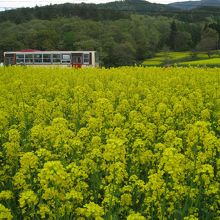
x,y
19,58
47,58
56,58
37,58
28,58
86,58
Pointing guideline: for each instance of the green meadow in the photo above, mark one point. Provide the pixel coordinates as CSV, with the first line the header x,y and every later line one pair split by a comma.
x,y
188,58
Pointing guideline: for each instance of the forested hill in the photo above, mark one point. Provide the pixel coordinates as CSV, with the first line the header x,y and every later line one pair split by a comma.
x,y
188,5
49,12
108,11
139,6
123,32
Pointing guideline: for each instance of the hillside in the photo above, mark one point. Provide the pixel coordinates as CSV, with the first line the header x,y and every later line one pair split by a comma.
x,y
188,5
67,10
113,11
108,11
140,6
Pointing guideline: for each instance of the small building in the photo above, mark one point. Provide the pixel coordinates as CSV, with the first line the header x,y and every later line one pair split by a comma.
x,y
51,58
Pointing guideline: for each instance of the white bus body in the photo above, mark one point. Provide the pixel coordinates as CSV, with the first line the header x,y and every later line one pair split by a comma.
x,y
51,58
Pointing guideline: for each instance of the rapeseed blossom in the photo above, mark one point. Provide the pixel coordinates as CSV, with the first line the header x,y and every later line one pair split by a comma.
x,y
6,195
5,213
123,143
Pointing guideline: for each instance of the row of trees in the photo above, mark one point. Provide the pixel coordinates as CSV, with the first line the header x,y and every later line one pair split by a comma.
x,y
119,42
204,40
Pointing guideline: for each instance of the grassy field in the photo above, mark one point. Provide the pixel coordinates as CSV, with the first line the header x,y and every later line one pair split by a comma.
x,y
184,59
204,62
122,143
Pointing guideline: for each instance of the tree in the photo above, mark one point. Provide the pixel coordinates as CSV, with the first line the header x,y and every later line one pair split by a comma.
x,y
173,36
216,27
179,40
209,40
68,40
123,55
183,41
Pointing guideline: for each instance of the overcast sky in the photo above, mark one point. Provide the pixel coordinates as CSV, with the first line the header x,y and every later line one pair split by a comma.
x,y
32,3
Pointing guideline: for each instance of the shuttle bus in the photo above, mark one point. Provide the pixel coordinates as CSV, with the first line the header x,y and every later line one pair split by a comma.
x,y
51,58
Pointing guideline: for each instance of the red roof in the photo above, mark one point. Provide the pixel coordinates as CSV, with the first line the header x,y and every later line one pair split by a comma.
x,y
29,50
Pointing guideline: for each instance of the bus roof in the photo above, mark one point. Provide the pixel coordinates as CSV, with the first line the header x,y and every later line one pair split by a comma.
x,y
45,52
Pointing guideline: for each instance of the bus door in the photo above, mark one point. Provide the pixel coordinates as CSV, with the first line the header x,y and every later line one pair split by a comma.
x,y
9,59
77,59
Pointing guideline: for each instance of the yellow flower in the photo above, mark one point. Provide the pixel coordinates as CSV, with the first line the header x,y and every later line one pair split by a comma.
x,y
91,210
5,213
45,212
6,195
126,199
136,216
19,181
28,198
53,174
29,161
191,217
14,135
74,196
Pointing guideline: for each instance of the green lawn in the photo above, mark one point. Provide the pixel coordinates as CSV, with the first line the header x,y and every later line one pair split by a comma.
x,y
184,58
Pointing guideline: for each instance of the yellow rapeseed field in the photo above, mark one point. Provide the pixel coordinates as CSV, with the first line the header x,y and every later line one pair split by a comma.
x,y
123,143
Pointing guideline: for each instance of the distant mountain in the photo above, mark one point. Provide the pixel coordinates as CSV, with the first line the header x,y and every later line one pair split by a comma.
x,y
136,6
188,5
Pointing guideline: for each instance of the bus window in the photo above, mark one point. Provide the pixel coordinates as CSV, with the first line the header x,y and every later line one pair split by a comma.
x,y
19,58
47,58
37,58
65,58
28,58
86,58
56,58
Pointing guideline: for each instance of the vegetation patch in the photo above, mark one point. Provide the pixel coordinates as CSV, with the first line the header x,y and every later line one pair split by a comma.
x,y
211,58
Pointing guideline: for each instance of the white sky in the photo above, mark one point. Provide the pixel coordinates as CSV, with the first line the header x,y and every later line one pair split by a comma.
x,y
32,3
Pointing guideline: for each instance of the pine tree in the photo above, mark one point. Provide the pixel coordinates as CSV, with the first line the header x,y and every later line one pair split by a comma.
x,y
173,36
